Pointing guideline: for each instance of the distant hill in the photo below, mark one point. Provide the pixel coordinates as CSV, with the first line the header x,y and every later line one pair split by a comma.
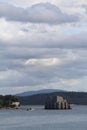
x,y
79,98
43,91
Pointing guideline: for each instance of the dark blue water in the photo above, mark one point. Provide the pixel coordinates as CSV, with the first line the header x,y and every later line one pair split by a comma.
x,y
40,119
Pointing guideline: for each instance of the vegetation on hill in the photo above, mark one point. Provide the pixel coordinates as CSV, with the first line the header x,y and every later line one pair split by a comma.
x,y
6,101
40,99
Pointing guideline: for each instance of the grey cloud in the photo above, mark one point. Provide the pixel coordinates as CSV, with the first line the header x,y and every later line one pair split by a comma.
x,y
49,13
48,41
85,7
41,76
38,13
33,44
17,74
11,12
74,41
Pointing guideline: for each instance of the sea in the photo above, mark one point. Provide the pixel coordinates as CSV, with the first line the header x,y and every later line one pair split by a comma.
x,y
40,119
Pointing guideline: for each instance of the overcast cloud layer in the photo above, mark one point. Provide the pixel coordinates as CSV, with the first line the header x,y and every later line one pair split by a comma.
x,y
38,13
43,45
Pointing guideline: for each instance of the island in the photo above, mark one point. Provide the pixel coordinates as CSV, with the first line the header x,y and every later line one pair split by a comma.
x,y
56,102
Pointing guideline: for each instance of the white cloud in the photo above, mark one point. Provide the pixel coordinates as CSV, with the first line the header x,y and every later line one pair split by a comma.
x,y
43,62
70,82
8,30
30,35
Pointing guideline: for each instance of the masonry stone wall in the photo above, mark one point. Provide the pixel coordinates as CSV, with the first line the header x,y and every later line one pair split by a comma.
x,y
57,102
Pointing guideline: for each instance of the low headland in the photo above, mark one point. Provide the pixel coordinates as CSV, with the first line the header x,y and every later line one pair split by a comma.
x,y
9,102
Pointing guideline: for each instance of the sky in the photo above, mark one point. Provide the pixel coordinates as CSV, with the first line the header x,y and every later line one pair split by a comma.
x,y
43,45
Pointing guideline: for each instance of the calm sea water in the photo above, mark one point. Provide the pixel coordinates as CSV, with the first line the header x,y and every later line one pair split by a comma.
x,y
40,119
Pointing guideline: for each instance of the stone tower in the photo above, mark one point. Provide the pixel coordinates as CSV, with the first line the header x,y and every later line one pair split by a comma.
x,y
56,102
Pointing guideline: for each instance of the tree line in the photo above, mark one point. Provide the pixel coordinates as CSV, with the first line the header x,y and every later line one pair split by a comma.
x,y
6,101
40,99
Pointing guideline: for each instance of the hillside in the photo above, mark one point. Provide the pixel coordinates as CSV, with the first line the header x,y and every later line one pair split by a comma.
x,y
42,91
39,99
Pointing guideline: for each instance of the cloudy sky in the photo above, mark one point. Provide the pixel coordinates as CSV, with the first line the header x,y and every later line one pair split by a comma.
x,y
43,45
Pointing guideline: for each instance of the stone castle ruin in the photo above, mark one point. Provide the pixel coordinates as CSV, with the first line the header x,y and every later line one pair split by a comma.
x,y
56,102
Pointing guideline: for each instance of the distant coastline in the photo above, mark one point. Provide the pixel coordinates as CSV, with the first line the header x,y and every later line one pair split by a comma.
x,y
79,98
13,102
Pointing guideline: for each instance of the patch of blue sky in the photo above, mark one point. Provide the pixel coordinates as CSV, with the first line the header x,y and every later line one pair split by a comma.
x,y
2,0
71,31
75,30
